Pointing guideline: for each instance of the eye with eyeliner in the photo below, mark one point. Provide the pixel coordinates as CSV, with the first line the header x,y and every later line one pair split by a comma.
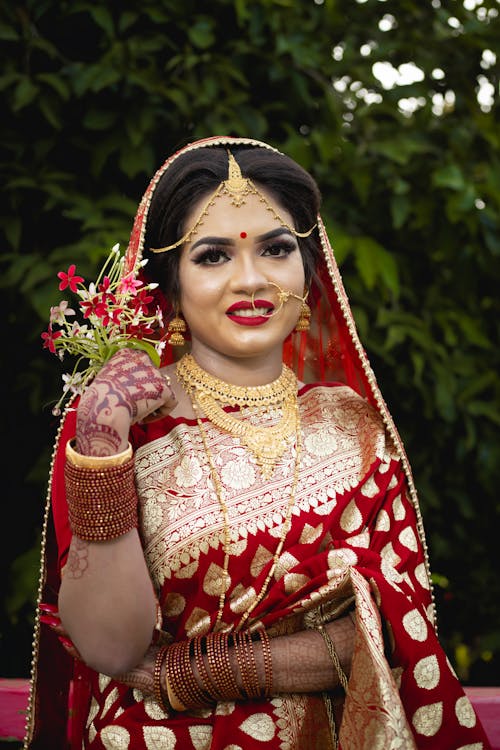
x,y
211,256
279,249
215,256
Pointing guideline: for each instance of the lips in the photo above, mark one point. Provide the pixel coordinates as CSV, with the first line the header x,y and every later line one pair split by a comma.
x,y
245,314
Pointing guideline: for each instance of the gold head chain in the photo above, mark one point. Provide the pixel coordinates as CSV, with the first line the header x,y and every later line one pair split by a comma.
x,y
237,188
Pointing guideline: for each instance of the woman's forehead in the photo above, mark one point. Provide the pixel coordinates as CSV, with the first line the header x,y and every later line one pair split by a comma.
x,y
252,219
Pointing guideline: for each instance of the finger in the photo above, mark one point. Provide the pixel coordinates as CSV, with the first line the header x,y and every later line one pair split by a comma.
x,y
51,621
70,647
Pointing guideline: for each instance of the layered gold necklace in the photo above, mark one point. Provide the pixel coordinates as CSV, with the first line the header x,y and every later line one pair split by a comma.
x,y
267,444
207,392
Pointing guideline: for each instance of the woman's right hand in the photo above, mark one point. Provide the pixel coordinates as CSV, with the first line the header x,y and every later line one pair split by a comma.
x,y
128,389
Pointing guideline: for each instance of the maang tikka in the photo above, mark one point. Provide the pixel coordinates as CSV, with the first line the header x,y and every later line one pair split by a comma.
x,y
237,188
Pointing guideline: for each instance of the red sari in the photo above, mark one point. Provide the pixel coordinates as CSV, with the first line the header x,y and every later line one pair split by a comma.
x,y
356,545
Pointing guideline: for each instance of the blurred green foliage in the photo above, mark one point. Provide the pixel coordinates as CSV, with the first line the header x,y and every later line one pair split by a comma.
x,y
96,95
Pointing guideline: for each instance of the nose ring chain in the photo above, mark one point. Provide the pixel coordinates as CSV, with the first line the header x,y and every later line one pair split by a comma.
x,y
283,296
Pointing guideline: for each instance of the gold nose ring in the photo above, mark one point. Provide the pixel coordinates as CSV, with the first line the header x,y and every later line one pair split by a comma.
x,y
283,296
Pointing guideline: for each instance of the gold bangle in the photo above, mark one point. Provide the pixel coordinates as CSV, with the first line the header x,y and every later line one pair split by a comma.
x,y
172,698
158,694
268,661
97,462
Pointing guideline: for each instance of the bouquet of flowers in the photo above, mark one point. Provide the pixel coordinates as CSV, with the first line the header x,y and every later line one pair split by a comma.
x,y
115,315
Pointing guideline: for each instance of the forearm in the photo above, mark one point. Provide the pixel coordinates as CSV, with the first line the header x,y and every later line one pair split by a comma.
x,y
302,663
239,666
107,602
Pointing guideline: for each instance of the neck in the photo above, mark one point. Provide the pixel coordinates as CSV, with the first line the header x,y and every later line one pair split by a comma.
x,y
242,371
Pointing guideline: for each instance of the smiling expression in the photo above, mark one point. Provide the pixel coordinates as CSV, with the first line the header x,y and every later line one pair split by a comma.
x,y
228,275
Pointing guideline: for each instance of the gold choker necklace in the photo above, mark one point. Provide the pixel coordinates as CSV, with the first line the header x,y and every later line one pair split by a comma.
x,y
267,444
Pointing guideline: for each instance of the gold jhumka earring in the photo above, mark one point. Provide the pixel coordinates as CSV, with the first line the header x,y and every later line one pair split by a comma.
x,y
304,320
237,188
176,328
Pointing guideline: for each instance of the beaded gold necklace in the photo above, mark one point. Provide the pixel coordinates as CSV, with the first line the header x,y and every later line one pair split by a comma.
x,y
267,444
265,395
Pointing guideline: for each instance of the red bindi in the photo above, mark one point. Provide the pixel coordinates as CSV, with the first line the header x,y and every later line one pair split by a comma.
x,y
243,235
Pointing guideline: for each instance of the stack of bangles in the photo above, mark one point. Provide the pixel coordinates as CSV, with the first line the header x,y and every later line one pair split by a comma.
x,y
199,672
101,494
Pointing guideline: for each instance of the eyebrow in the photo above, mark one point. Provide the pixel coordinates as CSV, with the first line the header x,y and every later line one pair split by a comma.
x,y
229,241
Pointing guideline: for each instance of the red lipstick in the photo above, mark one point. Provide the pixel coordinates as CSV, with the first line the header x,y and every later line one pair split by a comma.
x,y
250,320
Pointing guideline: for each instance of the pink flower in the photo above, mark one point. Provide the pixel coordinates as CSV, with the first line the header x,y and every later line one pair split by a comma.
x,y
58,313
49,336
129,284
69,279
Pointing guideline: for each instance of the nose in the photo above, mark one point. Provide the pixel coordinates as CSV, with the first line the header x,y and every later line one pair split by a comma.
x,y
247,276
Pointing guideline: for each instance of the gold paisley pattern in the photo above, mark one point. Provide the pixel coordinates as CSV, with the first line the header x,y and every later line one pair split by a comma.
x,y
159,738
201,736
241,598
260,560
285,563
422,577
310,533
351,519
370,488
153,709
294,582
114,737
93,711
213,583
259,727
415,625
398,509
111,698
174,604
383,521
198,622
426,672
408,539
465,713
104,681
427,720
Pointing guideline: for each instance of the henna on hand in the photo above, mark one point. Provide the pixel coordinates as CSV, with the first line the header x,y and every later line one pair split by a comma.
x,y
78,558
127,389
141,677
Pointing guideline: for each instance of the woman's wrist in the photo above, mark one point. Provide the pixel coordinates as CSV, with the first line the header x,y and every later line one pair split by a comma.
x,y
88,461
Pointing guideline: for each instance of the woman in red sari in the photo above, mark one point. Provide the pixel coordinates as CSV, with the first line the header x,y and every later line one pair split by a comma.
x,y
240,560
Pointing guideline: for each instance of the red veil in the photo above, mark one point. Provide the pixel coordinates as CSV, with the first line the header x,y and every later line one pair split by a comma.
x,y
408,699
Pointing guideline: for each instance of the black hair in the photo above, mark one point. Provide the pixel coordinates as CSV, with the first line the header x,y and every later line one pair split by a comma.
x,y
196,174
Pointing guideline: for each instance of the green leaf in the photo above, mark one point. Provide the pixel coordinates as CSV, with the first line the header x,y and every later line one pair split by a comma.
x,y
98,119
145,347
400,209
24,93
57,83
201,33
8,33
103,18
449,176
